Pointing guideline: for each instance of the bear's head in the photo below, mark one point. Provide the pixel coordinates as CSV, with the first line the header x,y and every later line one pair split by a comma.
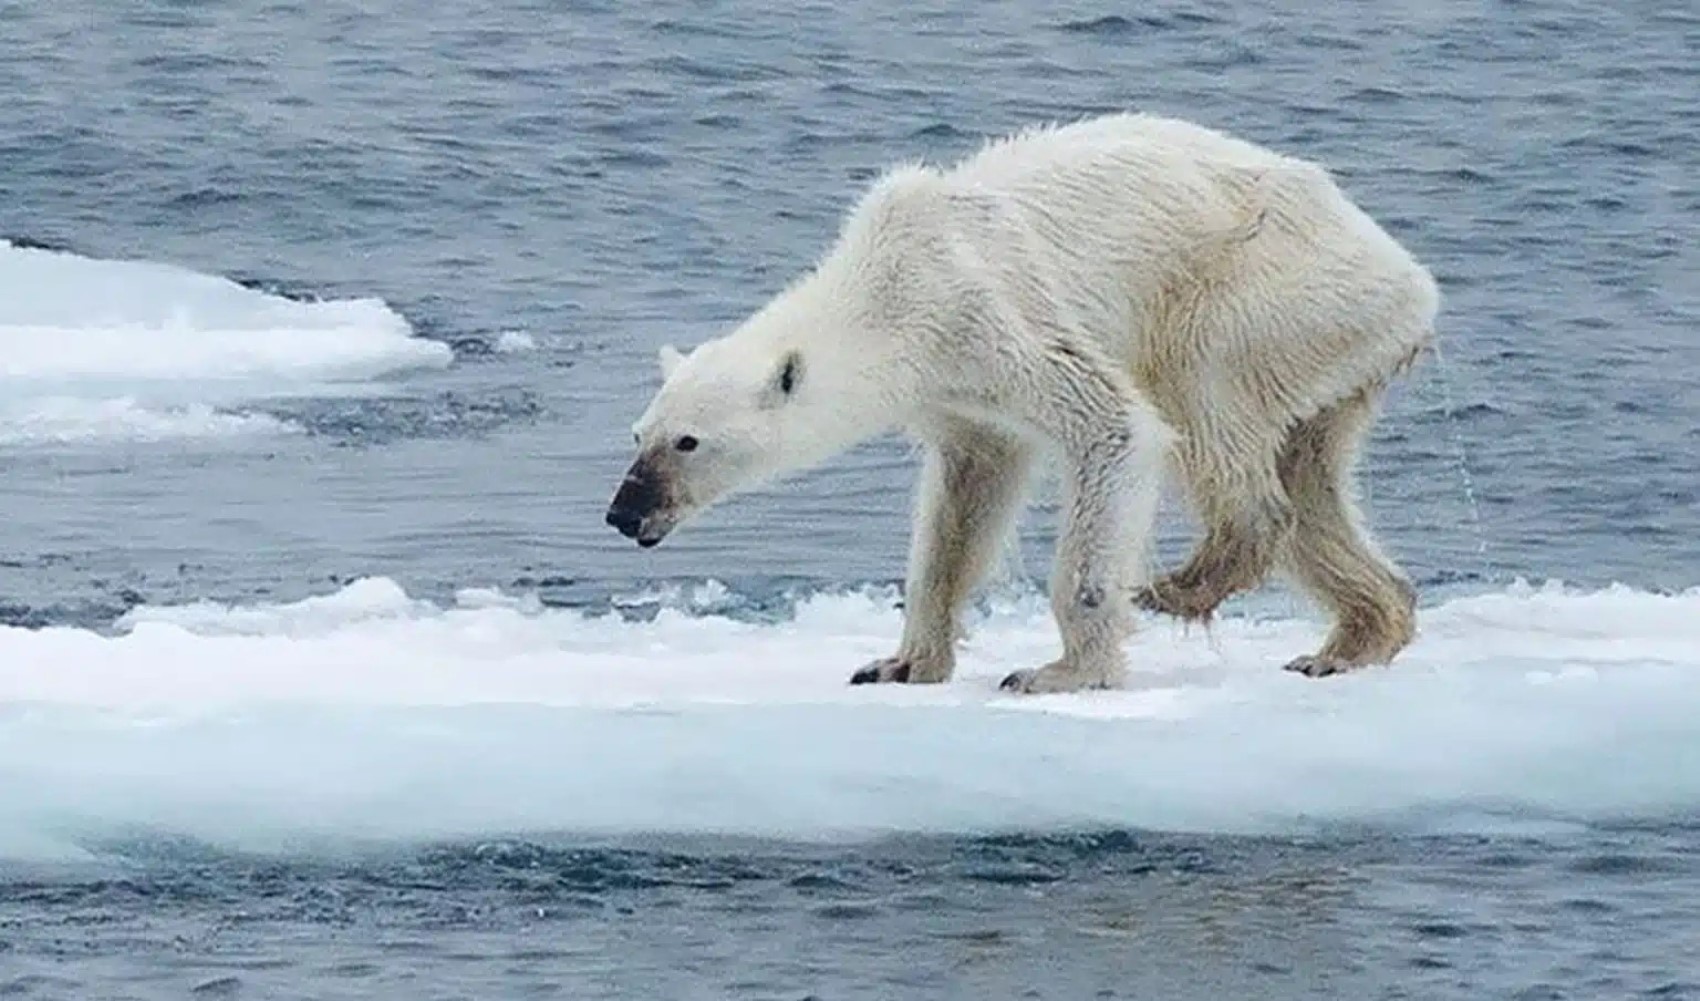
x,y
827,363
730,415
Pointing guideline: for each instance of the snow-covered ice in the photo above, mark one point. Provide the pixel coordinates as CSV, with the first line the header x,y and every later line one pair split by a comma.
x,y
366,713
102,350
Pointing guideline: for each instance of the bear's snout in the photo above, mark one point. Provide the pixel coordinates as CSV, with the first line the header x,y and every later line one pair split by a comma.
x,y
641,497
624,520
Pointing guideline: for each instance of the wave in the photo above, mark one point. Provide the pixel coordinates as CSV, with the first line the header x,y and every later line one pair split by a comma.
x,y
367,713
66,420
98,350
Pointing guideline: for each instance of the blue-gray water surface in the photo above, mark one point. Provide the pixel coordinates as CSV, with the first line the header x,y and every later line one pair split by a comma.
x,y
610,177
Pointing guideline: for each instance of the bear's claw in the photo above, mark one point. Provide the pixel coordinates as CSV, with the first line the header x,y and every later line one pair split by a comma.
x,y
888,669
1052,678
1167,597
905,669
1320,667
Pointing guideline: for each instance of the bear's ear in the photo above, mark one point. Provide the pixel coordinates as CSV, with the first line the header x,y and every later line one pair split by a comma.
x,y
790,373
783,383
670,359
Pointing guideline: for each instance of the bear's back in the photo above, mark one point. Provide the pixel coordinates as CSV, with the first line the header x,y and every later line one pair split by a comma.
x,y
1139,191
1127,142
1118,222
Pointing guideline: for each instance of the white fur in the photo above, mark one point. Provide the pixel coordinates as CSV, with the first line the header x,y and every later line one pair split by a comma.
x,y
1125,293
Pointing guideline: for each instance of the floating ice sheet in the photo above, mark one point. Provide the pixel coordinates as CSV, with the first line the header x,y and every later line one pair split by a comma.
x,y
365,713
98,350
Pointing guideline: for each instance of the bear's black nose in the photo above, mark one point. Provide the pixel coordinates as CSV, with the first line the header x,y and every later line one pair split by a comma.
x,y
625,520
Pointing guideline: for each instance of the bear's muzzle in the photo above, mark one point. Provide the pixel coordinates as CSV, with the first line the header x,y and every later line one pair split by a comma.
x,y
642,507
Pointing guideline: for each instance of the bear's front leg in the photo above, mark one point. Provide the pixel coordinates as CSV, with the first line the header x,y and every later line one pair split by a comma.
x,y
1112,494
971,485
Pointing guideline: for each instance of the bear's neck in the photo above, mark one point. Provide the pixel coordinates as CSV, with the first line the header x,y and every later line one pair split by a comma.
x,y
853,345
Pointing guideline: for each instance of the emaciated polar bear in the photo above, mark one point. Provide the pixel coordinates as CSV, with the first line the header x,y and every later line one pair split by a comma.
x,y
1132,295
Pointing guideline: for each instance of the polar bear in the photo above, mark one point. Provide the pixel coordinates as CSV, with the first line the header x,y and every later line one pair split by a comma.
x,y
1131,296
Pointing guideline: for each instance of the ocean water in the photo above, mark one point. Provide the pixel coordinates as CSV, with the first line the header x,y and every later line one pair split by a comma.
x,y
322,327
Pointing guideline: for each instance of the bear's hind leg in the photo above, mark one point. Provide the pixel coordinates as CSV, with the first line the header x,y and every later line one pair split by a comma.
x,y
1330,553
1247,516
971,488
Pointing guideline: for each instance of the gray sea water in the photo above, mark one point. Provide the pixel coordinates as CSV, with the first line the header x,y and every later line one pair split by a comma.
x,y
603,178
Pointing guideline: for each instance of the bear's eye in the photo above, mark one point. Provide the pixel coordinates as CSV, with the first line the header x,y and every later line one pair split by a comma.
x,y
686,443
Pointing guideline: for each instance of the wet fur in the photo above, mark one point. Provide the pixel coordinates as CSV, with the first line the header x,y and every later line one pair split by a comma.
x,y
1132,297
